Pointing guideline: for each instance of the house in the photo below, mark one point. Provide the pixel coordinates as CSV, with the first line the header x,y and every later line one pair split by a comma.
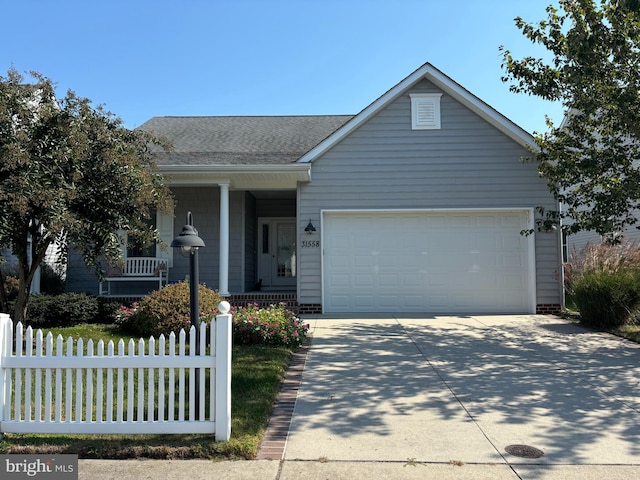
x,y
416,204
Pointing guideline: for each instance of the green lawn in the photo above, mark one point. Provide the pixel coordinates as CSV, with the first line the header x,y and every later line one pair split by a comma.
x,y
256,376
630,331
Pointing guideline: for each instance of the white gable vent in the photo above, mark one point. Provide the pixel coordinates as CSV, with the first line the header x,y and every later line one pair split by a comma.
x,y
425,111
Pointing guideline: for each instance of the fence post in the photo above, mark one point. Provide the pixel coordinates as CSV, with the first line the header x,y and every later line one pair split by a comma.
x,y
223,373
5,322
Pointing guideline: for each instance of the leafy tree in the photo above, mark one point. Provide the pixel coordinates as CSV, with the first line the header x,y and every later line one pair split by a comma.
x,y
591,160
69,174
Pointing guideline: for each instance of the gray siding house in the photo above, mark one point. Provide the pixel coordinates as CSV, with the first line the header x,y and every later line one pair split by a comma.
x,y
416,204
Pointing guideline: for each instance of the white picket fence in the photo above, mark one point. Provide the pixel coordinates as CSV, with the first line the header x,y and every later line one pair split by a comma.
x,y
145,387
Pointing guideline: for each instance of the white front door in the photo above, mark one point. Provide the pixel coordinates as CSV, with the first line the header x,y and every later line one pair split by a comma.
x,y
277,253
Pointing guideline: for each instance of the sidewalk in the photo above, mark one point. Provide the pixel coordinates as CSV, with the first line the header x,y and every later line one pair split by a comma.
x,y
444,398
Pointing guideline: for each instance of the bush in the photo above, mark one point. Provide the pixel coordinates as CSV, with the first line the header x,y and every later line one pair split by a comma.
x,y
107,310
51,281
68,309
273,326
11,283
165,311
607,299
600,258
604,283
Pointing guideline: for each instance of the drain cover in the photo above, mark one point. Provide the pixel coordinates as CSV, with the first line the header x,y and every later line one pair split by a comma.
x,y
524,451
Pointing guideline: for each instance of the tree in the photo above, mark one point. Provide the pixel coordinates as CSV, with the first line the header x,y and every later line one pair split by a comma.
x,y
70,174
591,160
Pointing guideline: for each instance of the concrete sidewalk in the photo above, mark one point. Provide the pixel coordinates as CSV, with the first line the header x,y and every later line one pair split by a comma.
x,y
445,397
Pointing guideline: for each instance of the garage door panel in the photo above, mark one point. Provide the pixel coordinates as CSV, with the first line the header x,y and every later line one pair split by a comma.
x,y
339,281
366,281
427,261
362,302
412,303
361,261
388,302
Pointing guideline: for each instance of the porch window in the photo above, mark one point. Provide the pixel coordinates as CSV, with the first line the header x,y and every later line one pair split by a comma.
x,y
136,248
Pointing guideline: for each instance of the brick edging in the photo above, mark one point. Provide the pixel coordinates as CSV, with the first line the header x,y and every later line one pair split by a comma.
x,y
548,308
274,441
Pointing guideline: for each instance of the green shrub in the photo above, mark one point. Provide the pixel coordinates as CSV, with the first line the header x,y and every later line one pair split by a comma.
x,y
11,284
107,310
51,281
607,298
65,310
165,311
273,326
600,257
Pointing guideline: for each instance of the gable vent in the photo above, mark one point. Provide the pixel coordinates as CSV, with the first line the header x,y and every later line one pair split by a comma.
x,y
425,111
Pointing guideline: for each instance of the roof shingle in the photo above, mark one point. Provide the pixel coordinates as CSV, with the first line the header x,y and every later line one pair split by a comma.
x,y
259,140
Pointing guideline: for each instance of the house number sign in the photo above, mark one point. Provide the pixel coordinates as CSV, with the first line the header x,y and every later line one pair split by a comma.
x,y
310,243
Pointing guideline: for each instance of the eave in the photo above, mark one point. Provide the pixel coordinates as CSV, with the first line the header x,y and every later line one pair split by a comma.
x,y
241,177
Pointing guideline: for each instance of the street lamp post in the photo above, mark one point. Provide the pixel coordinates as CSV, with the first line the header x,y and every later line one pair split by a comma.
x,y
189,243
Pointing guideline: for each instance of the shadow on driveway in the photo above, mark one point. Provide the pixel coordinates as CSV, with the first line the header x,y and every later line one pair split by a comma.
x,y
438,389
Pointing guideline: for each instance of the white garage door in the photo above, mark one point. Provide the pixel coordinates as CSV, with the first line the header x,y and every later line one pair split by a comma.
x,y
428,261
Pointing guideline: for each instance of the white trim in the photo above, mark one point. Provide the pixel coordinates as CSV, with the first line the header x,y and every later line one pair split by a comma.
x,y
223,282
531,245
439,79
427,210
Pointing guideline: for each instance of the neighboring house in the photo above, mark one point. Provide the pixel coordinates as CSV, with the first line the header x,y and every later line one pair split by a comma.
x,y
416,204
573,244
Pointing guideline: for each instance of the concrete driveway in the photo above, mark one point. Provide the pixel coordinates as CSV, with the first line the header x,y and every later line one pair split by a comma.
x,y
450,397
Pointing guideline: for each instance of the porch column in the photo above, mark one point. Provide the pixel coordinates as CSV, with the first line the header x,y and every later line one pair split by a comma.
x,y
224,239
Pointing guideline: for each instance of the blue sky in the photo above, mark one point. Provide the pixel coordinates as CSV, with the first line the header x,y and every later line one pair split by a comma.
x,y
144,58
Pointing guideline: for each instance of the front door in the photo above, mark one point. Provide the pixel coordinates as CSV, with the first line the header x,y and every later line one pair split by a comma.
x,y
277,258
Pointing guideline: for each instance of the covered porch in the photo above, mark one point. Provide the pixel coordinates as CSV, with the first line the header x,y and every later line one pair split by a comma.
x,y
249,223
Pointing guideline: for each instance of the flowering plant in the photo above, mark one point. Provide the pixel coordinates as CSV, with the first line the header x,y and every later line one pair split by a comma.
x,y
252,325
124,314
273,326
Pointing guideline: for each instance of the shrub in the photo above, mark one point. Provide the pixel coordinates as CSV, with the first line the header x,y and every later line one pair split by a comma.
x,y
11,287
65,310
164,311
107,310
600,258
11,283
607,298
51,280
603,281
273,326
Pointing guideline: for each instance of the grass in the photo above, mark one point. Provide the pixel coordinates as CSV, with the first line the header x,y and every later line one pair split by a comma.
x,y
629,331
256,376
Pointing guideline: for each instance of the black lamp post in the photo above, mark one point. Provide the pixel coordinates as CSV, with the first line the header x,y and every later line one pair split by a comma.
x,y
189,243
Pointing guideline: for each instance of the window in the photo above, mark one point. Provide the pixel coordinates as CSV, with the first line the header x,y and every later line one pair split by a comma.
x,y
137,248
425,111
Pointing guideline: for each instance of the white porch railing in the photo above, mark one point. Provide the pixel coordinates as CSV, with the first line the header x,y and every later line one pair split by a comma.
x,y
152,387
